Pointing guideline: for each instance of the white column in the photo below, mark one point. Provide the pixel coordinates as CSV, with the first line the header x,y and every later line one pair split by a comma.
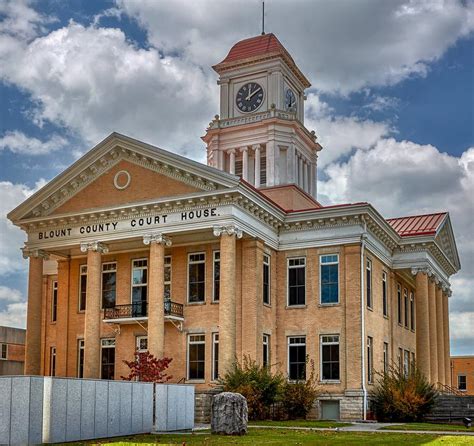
x,y
245,163
300,172
257,164
315,176
232,161
290,164
305,176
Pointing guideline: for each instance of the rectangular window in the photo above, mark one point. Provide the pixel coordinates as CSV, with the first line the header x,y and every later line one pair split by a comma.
x,y
3,351
142,344
385,357
217,276
330,358
167,279
400,360
263,170
412,311
215,356
196,277
139,287
196,356
370,359
406,362
368,282
405,305
296,281
266,279
384,294
109,284
413,363
54,302
462,382
329,274
80,358
52,361
82,287
266,350
297,357
399,303
107,359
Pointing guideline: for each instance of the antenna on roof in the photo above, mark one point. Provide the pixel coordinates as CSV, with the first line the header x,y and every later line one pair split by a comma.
x,y
263,18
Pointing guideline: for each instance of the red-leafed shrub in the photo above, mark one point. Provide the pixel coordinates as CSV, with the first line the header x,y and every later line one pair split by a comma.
x,y
145,367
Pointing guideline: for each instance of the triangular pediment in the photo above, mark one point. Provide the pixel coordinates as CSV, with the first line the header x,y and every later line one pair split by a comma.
x,y
121,170
446,242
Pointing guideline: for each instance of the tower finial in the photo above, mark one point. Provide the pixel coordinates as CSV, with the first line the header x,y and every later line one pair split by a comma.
x,y
263,18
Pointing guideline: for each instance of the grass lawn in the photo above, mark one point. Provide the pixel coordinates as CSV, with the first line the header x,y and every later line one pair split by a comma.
x,y
275,437
428,427
300,423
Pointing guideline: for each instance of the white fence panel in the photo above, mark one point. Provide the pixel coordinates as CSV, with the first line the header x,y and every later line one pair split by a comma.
x,y
174,405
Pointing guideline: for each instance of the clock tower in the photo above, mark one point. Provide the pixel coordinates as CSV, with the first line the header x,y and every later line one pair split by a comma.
x,y
260,133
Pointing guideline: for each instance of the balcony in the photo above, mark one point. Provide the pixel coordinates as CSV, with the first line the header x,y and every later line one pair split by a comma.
x,y
138,311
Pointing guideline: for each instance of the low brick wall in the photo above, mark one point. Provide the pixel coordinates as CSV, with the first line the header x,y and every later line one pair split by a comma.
x,y
202,405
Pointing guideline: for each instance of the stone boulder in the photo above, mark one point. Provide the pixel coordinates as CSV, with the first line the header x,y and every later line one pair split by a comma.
x,y
229,414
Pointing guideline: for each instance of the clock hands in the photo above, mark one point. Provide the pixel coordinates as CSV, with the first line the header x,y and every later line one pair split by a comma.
x,y
249,96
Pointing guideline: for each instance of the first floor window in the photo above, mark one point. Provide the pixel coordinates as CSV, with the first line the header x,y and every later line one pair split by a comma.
x,y
266,350
297,357
139,287
406,362
266,279
80,358
217,276
412,311
462,382
82,287
196,356
330,358
413,363
196,277
52,361
329,276
368,275
370,359
405,304
399,303
167,278
109,284
296,281
215,356
54,302
384,294
3,351
385,357
400,360
107,359
142,344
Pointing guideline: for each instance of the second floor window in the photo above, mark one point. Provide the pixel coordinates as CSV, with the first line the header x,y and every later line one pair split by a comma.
x,y
384,294
412,311
109,284
368,278
82,287
54,302
139,287
329,276
266,279
217,276
167,278
196,277
297,281
399,303
405,306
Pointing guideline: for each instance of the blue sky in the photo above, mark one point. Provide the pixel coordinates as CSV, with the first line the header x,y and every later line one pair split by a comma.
x,y
391,102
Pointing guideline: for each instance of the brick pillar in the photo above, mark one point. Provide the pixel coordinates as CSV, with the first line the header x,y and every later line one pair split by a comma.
x,y
447,354
440,335
433,332
422,323
62,318
156,291
93,308
227,296
33,316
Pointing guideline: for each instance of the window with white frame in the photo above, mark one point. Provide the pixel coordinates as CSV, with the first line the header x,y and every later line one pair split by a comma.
x,y
80,358
412,310
462,383
399,303
82,287
368,282
329,278
266,279
216,273
330,367
266,350
196,277
400,359
196,356
385,357
54,302
405,305
139,287
107,359
370,359
142,344
3,351
167,279
215,356
384,294
297,281
52,361
109,284
296,358
406,362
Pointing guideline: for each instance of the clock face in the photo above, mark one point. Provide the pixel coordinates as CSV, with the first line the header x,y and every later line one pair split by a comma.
x,y
290,100
249,97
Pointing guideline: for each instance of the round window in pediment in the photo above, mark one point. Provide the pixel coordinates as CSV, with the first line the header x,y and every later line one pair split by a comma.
x,y
122,179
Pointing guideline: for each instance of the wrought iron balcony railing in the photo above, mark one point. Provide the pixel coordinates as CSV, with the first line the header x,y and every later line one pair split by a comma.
x,y
140,310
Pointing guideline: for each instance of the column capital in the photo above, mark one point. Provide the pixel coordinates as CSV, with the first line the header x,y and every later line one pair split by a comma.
x,y
231,151
228,229
256,147
243,149
426,270
94,246
37,253
156,237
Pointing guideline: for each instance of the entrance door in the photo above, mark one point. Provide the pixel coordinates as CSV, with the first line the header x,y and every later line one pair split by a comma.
x,y
330,410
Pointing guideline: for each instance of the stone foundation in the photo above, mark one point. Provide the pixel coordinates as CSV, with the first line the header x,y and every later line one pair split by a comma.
x,y
203,405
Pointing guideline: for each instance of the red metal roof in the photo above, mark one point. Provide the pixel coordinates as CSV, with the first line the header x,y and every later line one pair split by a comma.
x,y
417,224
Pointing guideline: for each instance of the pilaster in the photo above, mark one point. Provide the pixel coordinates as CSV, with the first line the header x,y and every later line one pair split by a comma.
x,y
257,150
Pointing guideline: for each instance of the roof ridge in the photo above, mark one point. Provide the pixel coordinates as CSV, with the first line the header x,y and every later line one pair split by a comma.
x,y
417,215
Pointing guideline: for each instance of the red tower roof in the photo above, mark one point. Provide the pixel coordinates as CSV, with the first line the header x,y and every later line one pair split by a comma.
x,y
417,224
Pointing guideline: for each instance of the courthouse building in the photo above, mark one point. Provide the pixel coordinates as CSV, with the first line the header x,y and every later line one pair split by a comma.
x,y
134,247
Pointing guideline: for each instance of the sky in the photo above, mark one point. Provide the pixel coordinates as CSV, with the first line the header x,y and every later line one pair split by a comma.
x,y
391,102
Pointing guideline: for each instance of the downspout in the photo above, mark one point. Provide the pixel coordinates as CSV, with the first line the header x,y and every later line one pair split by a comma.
x,y
363,238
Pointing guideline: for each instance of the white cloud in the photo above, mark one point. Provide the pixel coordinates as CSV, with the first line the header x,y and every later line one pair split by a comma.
x,y
18,142
14,315
10,295
461,325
